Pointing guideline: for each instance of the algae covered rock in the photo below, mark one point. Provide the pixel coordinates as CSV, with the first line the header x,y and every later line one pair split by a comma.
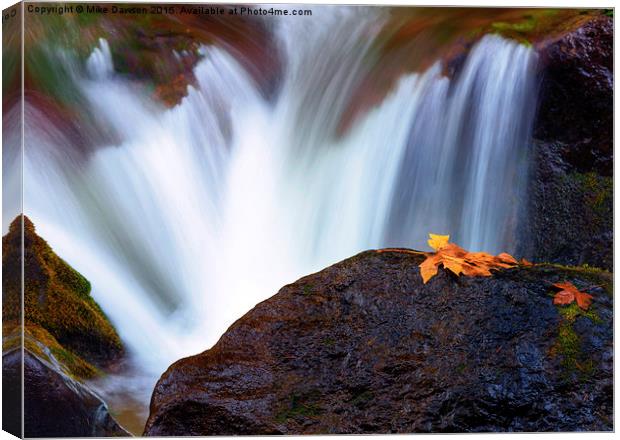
x,y
56,297
365,346
44,346
570,217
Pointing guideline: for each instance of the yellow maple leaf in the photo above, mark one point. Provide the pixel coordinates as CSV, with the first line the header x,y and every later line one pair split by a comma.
x,y
438,241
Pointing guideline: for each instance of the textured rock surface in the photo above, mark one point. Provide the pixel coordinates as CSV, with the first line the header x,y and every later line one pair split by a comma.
x,y
56,405
569,218
570,213
365,347
576,105
12,395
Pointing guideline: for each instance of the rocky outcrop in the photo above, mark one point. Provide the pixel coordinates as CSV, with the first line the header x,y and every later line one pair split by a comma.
x,y
365,347
576,96
66,340
569,217
56,297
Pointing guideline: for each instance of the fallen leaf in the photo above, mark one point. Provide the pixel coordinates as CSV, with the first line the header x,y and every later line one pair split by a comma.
x,y
569,293
507,258
524,262
438,241
459,261
429,267
453,264
564,297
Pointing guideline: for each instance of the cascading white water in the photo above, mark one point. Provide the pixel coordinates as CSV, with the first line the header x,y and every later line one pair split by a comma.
x,y
207,208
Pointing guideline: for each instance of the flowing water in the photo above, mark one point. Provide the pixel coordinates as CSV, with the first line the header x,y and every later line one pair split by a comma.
x,y
204,209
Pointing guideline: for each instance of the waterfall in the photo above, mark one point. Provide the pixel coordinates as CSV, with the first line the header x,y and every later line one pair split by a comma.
x,y
207,208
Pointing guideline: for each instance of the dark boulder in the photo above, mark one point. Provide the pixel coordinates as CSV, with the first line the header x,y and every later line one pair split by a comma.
x,y
569,218
12,391
576,96
56,405
365,347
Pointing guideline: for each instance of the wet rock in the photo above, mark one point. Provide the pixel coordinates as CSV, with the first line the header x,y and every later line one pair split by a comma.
x,y
570,213
576,96
365,347
570,206
12,394
56,405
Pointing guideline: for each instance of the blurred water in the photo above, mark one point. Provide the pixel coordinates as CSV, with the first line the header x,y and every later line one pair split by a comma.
x,y
207,208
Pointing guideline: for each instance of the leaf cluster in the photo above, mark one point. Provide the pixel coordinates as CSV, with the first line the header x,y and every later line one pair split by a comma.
x,y
459,261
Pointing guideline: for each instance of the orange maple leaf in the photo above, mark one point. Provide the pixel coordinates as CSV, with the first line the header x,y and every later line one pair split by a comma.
x,y
459,261
569,293
429,267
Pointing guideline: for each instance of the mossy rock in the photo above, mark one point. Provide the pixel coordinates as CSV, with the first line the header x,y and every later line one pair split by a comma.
x,y
56,298
43,345
570,213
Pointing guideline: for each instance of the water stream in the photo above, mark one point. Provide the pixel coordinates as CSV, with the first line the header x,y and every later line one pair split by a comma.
x,y
207,208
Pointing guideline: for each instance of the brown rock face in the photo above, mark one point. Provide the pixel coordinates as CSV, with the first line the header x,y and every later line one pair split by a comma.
x,y
576,105
570,212
365,347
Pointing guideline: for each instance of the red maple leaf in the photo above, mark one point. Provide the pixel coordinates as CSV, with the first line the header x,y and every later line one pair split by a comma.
x,y
569,293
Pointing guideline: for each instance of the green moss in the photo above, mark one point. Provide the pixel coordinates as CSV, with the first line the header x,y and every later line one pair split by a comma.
x,y
573,311
75,365
586,369
598,191
524,29
568,347
308,288
329,341
535,25
361,398
11,336
525,26
43,345
300,405
568,343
